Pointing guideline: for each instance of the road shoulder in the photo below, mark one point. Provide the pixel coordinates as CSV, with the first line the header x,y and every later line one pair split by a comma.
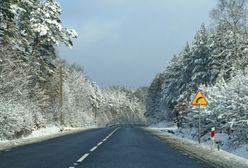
x,y
7,145
220,159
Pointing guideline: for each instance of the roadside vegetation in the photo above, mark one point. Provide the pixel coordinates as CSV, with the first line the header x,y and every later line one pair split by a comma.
x,y
38,89
215,62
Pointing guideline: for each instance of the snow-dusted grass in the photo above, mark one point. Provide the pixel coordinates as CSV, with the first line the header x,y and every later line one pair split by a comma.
x,y
39,135
191,134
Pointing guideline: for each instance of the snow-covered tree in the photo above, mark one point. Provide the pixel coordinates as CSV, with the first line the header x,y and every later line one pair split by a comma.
x,y
79,94
231,14
20,111
175,83
186,73
229,40
172,82
153,110
226,110
29,31
215,62
121,106
8,27
201,57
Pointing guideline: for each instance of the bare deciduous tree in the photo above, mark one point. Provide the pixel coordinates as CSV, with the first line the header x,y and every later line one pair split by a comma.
x,y
232,13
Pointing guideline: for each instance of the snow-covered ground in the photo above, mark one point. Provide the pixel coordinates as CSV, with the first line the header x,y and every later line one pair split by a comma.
x,y
38,136
191,134
203,152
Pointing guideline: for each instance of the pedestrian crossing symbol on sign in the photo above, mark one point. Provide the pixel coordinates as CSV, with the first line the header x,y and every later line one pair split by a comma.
x,y
199,99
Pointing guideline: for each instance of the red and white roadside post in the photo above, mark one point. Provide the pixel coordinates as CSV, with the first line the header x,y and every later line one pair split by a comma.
x,y
212,138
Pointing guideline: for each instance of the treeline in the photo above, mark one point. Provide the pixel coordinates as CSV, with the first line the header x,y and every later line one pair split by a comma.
x,y
38,89
215,62
86,104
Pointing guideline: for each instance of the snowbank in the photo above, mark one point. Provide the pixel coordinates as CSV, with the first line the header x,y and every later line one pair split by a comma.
x,y
38,136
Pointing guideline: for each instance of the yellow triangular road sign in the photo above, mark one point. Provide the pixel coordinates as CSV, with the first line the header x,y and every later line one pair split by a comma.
x,y
199,99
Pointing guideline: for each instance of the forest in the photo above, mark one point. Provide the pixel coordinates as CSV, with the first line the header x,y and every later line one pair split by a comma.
x,y
214,62
38,89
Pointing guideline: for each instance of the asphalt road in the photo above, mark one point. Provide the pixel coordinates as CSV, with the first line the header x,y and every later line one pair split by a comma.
x,y
99,148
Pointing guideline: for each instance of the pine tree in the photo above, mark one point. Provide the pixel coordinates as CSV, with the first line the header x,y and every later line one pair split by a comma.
x,y
229,39
201,57
186,74
8,27
171,85
153,112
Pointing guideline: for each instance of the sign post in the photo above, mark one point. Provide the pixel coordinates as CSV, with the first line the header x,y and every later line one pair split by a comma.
x,y
199,125
199,100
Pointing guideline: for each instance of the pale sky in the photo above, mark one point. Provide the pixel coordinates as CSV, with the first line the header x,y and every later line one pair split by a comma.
x,y
127,42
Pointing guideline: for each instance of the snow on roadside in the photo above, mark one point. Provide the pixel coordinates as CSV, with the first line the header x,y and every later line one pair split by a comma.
x,y
44,131
241,151
163,124
202,152
191,134
39,135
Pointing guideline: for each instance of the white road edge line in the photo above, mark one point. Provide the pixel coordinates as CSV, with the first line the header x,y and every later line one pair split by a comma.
x,y
83,157
94,148
71,167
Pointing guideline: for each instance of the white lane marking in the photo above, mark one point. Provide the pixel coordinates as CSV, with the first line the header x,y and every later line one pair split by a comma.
x,y
99,143
115,130
94,148
112,133
83,157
